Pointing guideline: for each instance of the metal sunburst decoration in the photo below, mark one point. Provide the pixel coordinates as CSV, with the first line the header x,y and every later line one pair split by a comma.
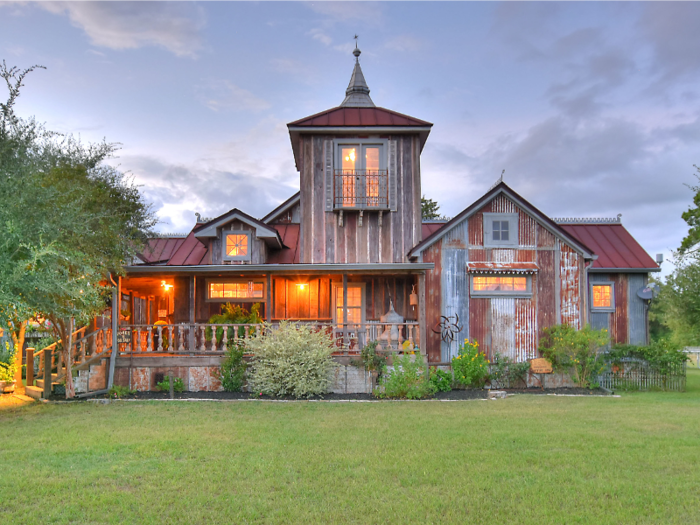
x,y
448,327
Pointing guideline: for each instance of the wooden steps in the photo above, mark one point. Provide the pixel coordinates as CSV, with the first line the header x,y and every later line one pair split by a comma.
x,y
34,392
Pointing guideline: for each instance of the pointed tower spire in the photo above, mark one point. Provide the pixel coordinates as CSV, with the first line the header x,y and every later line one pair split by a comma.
x,y
357,94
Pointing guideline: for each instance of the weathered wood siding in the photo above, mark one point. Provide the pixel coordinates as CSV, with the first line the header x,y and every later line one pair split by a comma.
x,y
507,325
323,240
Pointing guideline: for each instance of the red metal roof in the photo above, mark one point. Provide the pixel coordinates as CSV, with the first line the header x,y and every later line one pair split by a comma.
x,y
160,249
190,253
290,238
353,117
428,228
613,245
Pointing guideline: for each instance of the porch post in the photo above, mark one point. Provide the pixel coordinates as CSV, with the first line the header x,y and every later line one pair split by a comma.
x,y
116,300
191,331
345,310
30,366
268,307
422,317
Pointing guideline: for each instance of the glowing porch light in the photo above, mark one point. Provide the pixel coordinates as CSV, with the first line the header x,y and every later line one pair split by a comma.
x,y
166,286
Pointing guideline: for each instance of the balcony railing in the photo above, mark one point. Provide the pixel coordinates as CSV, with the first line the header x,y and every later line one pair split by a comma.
x,y
361,189
200,338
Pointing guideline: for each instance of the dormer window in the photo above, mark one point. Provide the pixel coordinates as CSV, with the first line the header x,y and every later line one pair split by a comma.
x,y
236,246
361,175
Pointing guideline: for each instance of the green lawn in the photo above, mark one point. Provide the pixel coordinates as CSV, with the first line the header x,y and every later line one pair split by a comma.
x,y
526,459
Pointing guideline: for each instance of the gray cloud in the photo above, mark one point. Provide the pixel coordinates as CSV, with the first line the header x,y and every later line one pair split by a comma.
x,y
128,25
178,191
222,95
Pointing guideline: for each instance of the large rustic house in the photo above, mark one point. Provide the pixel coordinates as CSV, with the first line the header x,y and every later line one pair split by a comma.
x,y
351,253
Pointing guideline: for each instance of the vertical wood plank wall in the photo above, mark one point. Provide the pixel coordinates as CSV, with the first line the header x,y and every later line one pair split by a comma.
x,y
322,240
509,326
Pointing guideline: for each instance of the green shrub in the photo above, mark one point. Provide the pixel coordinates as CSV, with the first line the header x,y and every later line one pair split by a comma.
x,y
371,360
178,385
470,366
118,392
233,367
292,360
8,367
409,379
506,373
233,314
577,352
440,380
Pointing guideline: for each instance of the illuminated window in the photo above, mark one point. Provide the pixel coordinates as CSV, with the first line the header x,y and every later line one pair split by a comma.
x,y
236,246
354,304
603,297
500,285
235,290
361,176
500,229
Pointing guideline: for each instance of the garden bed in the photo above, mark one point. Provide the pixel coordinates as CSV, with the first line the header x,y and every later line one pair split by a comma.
x,y
453,395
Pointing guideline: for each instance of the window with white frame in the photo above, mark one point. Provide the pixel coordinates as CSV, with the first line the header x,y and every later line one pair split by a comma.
x,y
355,304
500,229
361,176
236,245
501,284
602,296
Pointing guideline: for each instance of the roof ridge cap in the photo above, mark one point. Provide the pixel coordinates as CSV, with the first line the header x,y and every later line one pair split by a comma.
x,y
588,220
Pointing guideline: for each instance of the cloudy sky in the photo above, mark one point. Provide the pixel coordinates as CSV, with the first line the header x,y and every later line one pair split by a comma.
x,y
593,109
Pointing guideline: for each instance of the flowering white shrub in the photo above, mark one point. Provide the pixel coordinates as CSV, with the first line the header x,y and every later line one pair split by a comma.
x,y
292,360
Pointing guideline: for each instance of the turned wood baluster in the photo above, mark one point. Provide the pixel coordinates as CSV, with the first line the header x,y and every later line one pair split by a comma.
x,y
225,338
247,332
410,337
150,339
160,338
400,341
181,337
235,333
203,344
136,341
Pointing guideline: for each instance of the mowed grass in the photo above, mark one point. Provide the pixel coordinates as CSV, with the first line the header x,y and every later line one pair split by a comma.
x,y
526,459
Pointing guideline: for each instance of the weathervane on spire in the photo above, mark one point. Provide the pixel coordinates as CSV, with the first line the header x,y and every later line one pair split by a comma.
x,y
356,52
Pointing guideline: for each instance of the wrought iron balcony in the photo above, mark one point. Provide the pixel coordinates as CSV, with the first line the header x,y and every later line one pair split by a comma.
x,y
361,190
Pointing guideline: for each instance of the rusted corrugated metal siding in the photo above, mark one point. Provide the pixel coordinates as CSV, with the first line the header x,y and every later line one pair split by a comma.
x,y
433,300
526,329
480,323
570,294
618,325
455,285
546,290
503,326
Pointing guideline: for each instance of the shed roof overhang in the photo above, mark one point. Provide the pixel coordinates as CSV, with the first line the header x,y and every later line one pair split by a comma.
x,y
365,269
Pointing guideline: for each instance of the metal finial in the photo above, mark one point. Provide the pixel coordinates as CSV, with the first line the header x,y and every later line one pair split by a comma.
x,y
502,173
357,51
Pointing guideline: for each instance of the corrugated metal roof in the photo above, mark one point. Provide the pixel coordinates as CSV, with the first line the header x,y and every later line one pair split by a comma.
x,y
497,267
354,117
613,244
160,249
428,228
190,253
290,238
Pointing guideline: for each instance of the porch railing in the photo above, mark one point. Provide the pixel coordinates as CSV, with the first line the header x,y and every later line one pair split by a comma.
x,y
201,338
361,189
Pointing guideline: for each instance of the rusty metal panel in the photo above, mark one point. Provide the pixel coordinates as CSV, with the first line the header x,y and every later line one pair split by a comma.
x,y
433,300
637,310
455,285
527,256
480,323
526,327
476,229
546,302
527,226
504,255
544,238
502,204
503,326
477,255
619,320
570,296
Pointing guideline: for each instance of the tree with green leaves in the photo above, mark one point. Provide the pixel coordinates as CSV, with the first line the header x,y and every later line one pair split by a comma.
x,y
429,208
675,313
67,222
